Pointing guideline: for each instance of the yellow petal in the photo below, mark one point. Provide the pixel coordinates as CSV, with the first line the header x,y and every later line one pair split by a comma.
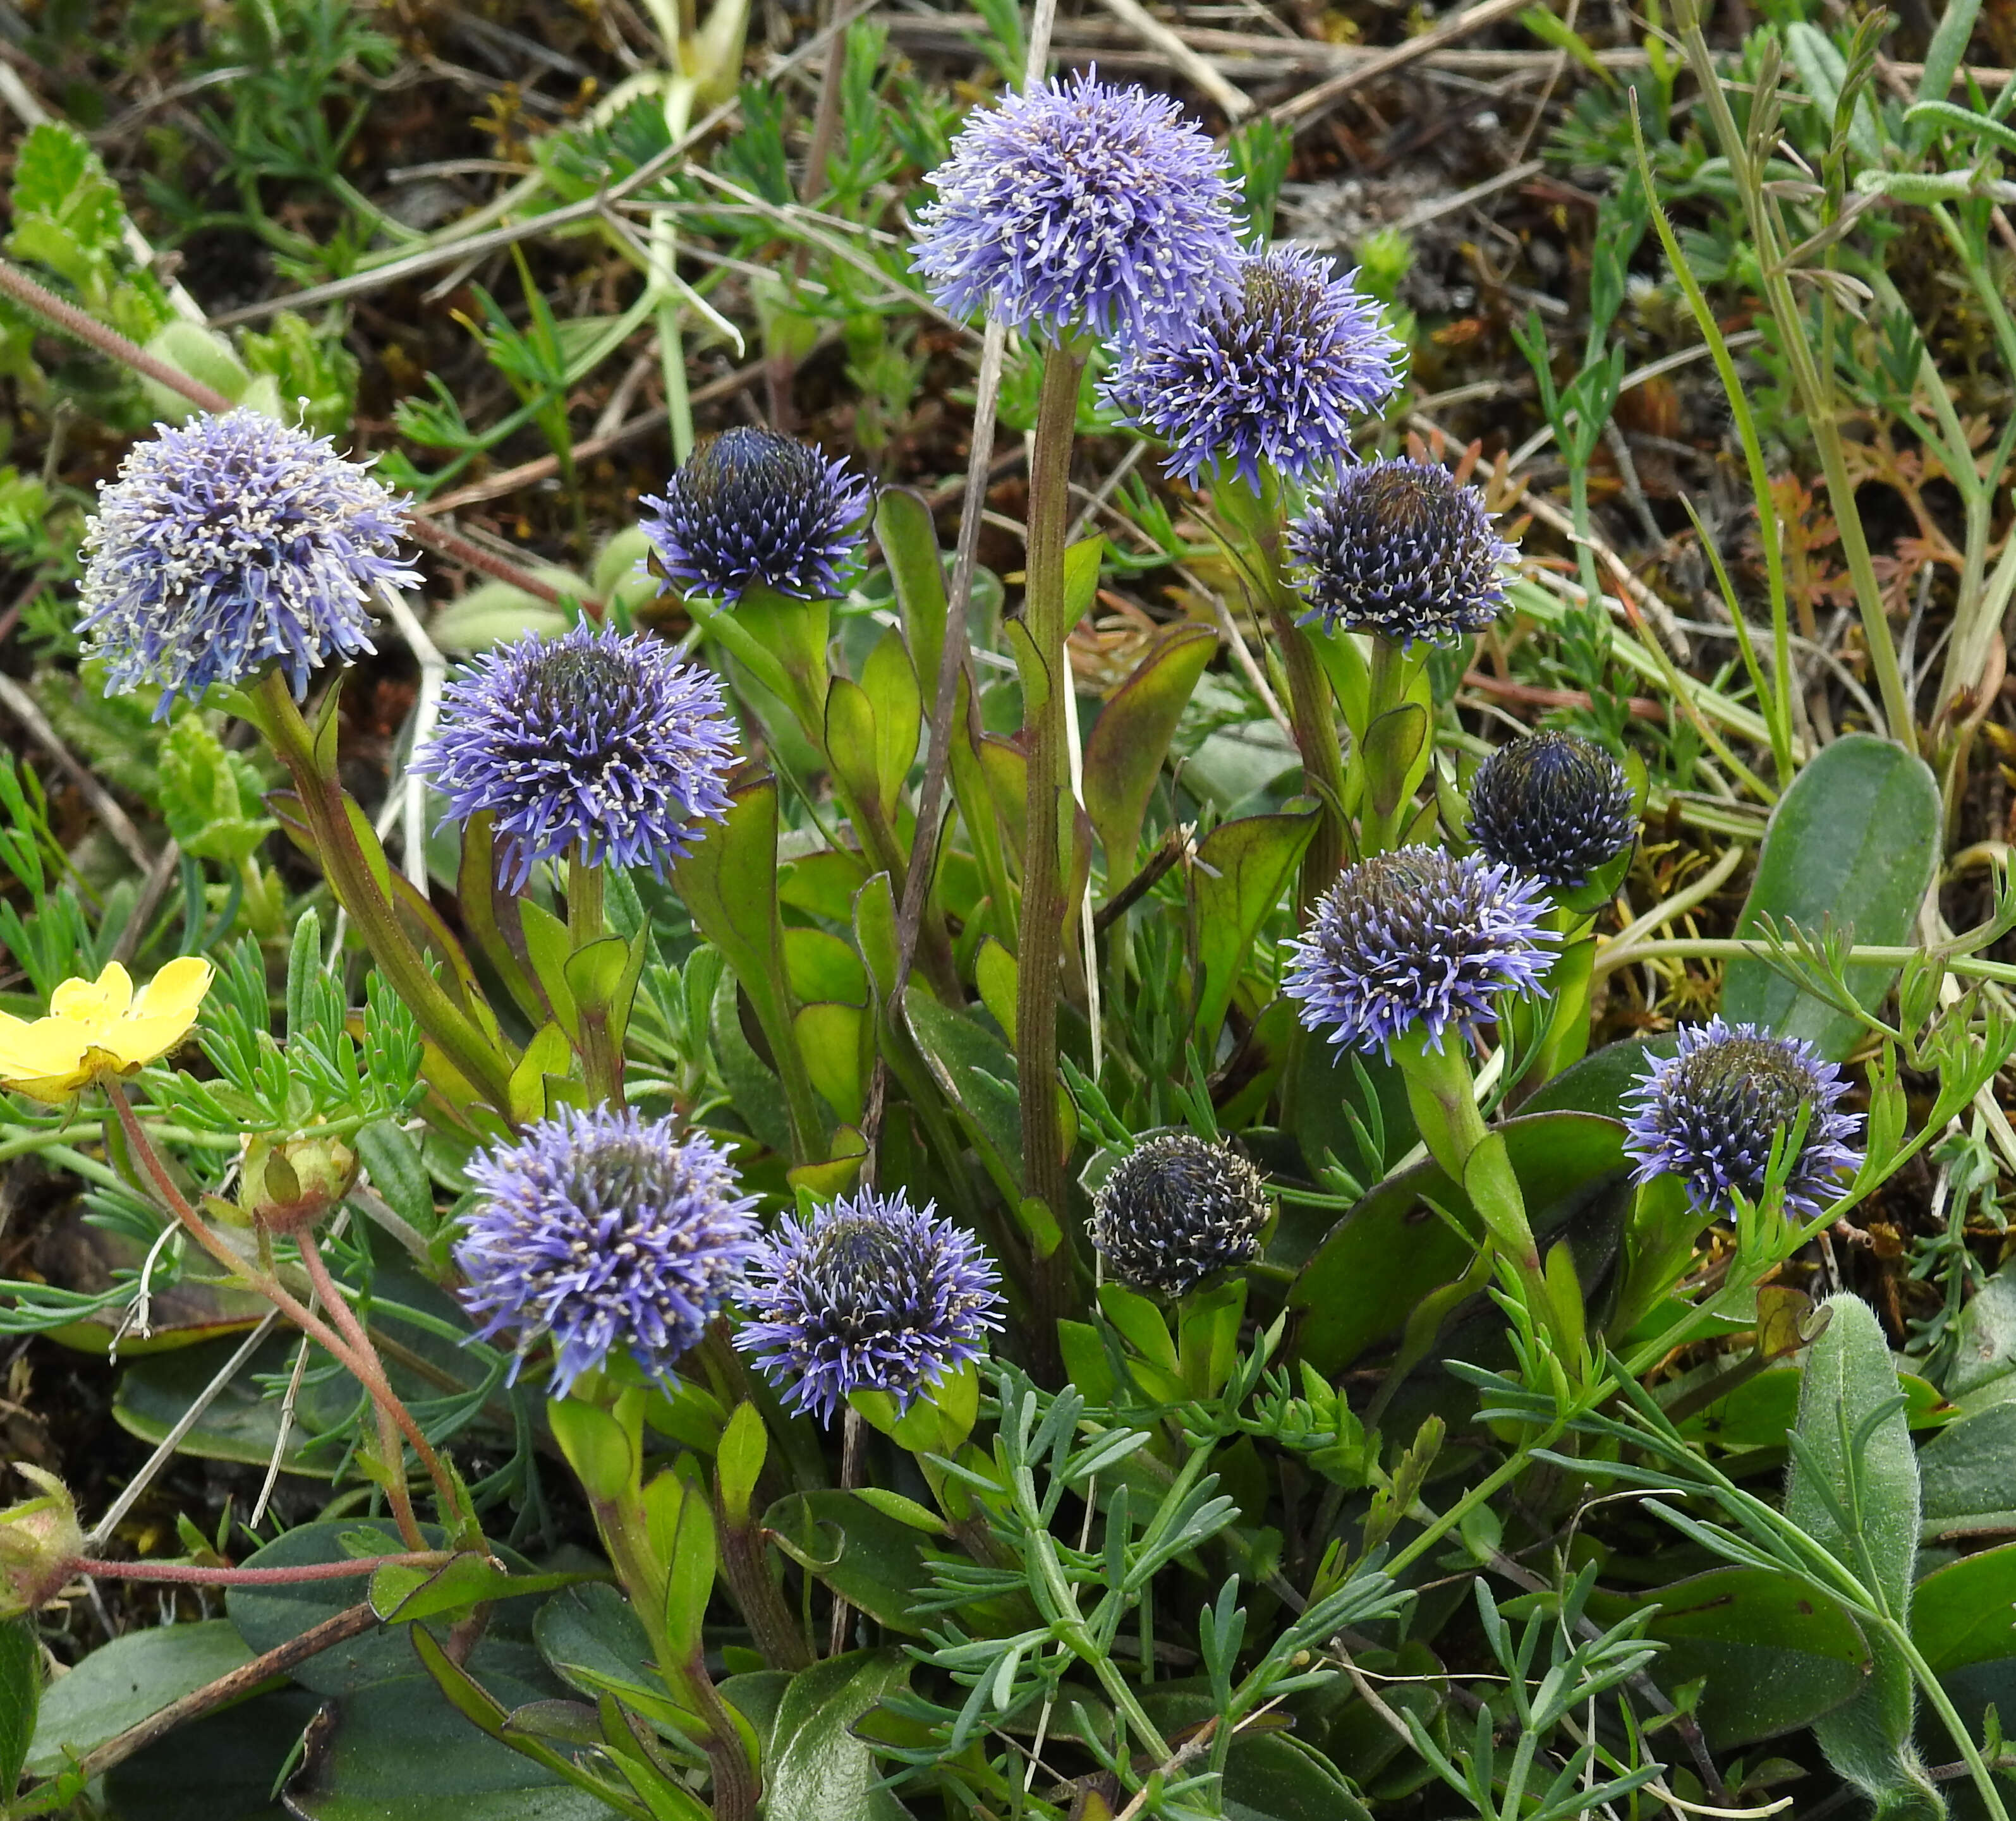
x,y
94,1001
134,1041
45,1060
177,991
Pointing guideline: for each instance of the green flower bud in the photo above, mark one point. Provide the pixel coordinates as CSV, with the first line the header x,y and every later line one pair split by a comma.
x,y
39,1540
291,1185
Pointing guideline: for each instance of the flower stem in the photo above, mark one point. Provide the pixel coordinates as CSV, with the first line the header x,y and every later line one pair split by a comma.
x,y
327,811
601,1058
364,1365
1046,677
1386,761
195,1574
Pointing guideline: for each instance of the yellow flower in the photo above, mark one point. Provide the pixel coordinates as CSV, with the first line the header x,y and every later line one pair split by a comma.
x,y
101,1027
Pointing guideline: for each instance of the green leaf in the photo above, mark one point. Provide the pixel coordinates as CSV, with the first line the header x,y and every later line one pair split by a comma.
x,y
890,686
397,1172
821,1772
67,212
910,542
1856,1462
121,1683
1969,1478
830,1038
1776,1655
267,1616
738,1461
398,1751
1986,1338
210,797
401,1596
593,1642
1375,1265
978,1075
1961,1614
222,1767
21,1696
869,1558
1243,869
1598,1082
243,1421
1125,750
1948,45
1852,846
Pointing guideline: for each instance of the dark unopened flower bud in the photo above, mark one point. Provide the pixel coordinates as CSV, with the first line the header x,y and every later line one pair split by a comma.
x,y
1553,804
609,1230
1398,548
1174,1208
1076,205
869,1294
1413,937
1276,372
597,739
231,542
1710,1113
39,1539
293,1184
753,506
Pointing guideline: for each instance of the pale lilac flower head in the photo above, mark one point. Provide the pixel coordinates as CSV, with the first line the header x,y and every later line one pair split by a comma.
x,y
1413,937
1175,1209
753,507
1398,548
1275,371
596,738
229,541
1079,206
610,1232
1709,1113
869,1294
1554,804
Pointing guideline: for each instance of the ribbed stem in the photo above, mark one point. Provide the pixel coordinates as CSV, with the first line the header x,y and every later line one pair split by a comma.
x,y
326,810
1047,675
601,1061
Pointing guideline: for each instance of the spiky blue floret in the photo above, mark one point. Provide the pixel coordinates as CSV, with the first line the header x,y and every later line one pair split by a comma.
x,y
230,541
869,1294
1709,1113
1275,371
1413,937
753,506
609,1232
596,738
1176,1208
1554,804
1079,206
1399,549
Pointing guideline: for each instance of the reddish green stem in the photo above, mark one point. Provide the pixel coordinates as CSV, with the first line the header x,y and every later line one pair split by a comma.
x,y
196,1574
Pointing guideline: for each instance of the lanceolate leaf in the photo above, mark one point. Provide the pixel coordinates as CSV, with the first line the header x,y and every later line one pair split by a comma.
x,y
1851,846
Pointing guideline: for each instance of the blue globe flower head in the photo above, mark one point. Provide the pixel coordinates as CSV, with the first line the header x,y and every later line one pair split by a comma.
x,y
1175,1209
1709,1113
609,1232
229,542
1079,206
596,739
1275,371
1399,549
1554,804
1414,938
753,507
869,1294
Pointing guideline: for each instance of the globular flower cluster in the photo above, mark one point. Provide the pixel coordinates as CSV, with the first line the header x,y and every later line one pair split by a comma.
x,y
1079,206
1176,1208
230,542
1273,372
596,739
869,1294
752,507
1399,549
1414,938
1554,804
1710,1113
608,1231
